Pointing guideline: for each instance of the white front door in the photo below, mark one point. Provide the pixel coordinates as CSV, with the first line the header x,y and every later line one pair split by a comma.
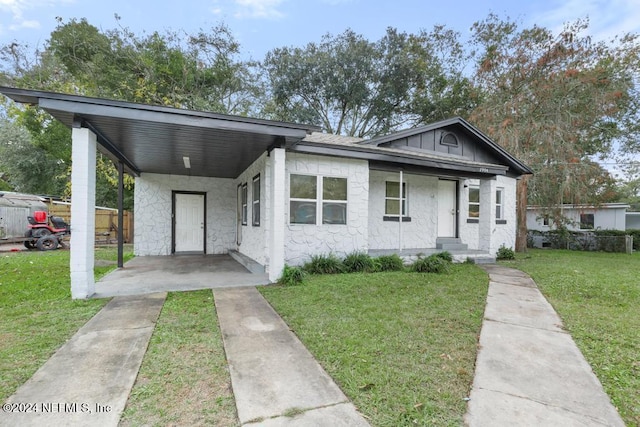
x,y
189,222
447,208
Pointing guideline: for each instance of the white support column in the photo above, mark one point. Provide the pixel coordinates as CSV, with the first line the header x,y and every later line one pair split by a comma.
x,y
278,220
83,217
487,214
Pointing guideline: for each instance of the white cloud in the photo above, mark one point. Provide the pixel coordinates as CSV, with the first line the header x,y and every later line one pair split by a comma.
x,y
607,18
19,11
262,9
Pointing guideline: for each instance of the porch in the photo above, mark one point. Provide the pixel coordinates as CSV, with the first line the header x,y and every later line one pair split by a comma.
x,y
149,274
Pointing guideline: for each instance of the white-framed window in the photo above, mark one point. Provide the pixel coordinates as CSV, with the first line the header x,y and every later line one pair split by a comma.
x,y
317,199
303,199
244,204
334,200
255,201
474,202
587,221
393,199
499,204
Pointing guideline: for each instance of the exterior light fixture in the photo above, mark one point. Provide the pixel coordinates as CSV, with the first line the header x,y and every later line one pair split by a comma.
x,y
187,162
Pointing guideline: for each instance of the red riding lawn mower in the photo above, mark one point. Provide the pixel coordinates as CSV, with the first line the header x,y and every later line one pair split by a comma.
x,y
46,233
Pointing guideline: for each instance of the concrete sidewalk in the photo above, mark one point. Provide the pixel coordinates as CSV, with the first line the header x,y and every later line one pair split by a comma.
x,y
529,371
272,373
88,380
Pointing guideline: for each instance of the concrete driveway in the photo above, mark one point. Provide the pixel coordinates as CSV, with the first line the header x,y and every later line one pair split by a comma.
x,y
150,274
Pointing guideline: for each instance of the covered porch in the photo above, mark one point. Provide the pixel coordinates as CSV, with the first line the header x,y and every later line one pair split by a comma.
x,y
149,274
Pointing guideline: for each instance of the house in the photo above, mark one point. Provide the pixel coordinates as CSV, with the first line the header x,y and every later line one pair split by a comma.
x,y
607,216
277,193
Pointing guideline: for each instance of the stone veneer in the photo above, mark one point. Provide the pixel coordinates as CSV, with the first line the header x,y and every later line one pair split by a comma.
x,y
304,240
422,208
254,242
492,235
152,211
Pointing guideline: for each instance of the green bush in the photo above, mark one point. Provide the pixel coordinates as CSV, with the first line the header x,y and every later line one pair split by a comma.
x,y
431,264
324,264
292,276
358,262
446,255
389,263
505,253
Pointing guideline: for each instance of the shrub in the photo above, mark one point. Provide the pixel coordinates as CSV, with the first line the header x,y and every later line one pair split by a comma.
x,y
505,253
292,276
469,260
431,264
358,262
324,264
389,263
446,255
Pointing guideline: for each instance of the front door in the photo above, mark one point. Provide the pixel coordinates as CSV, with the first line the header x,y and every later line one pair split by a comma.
x,y
447,210
189,225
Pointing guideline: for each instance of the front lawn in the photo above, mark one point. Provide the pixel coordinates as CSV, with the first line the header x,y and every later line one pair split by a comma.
x,y
597,295
37,314
402,346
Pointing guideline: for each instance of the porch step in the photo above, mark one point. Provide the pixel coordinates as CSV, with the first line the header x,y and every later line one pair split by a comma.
x,y
247,262
450,244
477,258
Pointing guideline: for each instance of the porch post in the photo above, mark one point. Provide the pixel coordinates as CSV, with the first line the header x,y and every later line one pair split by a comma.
x,y
120,214
277,217
83,216
487,214
400,218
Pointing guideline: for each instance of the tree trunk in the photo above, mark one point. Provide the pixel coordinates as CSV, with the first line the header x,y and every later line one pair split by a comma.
x,y
521,213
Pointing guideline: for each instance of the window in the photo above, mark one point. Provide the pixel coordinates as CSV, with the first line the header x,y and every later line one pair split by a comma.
x,y
334,200
244,204
304,200
545,220
474,202
303,194
255,200
393,200
499,206
449,138
586,222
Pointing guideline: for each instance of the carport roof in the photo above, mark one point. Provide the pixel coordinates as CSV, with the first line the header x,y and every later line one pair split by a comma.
x,y
155,139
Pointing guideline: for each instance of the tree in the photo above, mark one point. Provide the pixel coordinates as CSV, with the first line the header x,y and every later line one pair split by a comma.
x,y
30,169
349,85
557,102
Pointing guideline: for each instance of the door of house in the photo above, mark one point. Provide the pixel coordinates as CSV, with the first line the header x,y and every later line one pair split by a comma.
x,y
189,224
447,209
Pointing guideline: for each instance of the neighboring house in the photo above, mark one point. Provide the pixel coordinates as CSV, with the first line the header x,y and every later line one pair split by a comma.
x,y
607,216
279,193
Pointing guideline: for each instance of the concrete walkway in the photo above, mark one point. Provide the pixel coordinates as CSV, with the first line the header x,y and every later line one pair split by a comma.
x,y
529,371
272,373
88,380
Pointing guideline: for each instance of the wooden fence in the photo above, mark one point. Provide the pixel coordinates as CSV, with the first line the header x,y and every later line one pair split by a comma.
x,y
106,222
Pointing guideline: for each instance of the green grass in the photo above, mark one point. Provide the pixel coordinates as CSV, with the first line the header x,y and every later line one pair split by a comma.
x,y
37,314
183,379
402,346
597,295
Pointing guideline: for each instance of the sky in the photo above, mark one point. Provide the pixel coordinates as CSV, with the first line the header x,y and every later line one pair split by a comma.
x,y
262,25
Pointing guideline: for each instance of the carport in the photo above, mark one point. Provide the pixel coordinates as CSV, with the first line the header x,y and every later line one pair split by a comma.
x,y
141,139
149,274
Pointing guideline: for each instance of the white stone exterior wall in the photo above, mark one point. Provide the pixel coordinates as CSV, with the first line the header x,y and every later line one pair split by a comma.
x,y
489,236
422,208
152,211
304,240
254,242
